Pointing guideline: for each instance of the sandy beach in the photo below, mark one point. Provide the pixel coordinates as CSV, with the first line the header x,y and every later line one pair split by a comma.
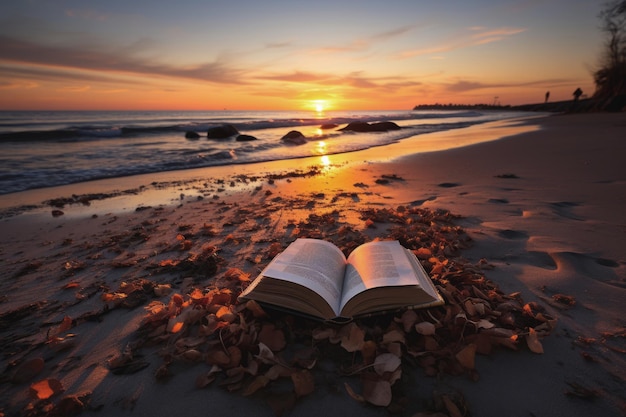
x,y
536,215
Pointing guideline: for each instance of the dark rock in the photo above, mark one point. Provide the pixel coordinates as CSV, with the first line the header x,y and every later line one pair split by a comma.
x,y
245,138
328,126
384,126
374,127
294,137
357,127
192,135
221,131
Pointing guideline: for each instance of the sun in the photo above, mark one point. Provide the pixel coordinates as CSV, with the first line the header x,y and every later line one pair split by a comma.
x,y
319,105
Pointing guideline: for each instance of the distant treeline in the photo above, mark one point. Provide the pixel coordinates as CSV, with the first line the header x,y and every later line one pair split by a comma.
x,y
568,106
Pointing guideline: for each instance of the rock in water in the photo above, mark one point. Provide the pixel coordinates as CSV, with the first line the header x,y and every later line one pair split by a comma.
x,y
245,138
294,137
221,132
374,127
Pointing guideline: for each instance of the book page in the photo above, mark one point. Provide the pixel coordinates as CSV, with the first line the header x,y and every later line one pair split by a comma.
x,y
313,263
377,264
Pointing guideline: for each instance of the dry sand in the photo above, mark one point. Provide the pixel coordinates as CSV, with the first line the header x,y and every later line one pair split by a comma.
x,y
545,207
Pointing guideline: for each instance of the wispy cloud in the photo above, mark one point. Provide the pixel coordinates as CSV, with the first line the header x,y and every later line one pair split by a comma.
x,y
362,44
122,60
463,86
357,80
474,36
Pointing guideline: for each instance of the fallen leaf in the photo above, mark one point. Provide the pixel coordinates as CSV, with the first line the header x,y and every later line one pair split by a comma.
x,y
377,392
408,319
353,393
303,382
386,362
352,338
265,354
425,328
452,408
256,309
467,356
257,383
532,340
394,336
272,338
46,388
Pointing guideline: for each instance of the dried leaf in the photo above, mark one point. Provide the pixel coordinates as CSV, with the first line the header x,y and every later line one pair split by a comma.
x,y
272,337
423,253
352,338
368,351
353,394
265,354
377,392
453,409
256,309
217,357
192,355
205,379
394,336
532,340
278,371
467,356
386,362
162,290
322,333
408,319
303,382
257,383
425,328
46,388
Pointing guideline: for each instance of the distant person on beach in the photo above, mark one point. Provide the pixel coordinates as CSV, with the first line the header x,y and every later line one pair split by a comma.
x,y
577,94
547,96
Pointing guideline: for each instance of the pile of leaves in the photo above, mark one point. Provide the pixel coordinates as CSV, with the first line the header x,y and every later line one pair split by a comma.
x,y
245,349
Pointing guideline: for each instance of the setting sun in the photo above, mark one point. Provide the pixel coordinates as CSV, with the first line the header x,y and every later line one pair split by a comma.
x,y
320,105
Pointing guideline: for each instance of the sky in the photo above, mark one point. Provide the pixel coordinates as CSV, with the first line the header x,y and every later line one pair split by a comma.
x,y
293,55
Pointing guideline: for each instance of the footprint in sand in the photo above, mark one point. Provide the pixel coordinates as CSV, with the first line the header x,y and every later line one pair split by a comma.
x,y
565,209
600,269
513,234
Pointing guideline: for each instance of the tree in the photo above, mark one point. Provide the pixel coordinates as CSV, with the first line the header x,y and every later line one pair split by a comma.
x,y
610,78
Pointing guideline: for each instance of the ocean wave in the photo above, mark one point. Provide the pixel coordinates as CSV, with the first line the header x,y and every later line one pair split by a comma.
x,y
88,132
115,144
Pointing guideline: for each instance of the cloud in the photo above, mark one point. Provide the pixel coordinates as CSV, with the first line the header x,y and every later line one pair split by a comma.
x,y
359,45
121,61
483,36
463,86
478,35
298,77
353,80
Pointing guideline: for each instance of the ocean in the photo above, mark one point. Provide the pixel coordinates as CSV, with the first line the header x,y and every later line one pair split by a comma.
x,y
41,149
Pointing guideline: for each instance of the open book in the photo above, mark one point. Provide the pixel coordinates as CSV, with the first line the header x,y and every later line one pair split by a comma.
x,y
314,278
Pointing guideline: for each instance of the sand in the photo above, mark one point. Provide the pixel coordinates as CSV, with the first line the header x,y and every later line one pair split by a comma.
x,y
543,205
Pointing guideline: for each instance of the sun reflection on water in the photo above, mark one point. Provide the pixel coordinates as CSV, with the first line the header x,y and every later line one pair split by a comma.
x,y
321,148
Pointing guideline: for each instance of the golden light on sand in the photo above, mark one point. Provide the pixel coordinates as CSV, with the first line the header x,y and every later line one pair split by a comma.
x,y
325,161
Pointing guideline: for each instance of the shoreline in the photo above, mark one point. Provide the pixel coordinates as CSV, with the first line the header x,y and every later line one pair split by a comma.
x,y
544,210
237,177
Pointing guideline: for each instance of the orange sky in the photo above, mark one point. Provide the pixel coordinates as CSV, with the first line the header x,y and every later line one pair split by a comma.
x,y
250,55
